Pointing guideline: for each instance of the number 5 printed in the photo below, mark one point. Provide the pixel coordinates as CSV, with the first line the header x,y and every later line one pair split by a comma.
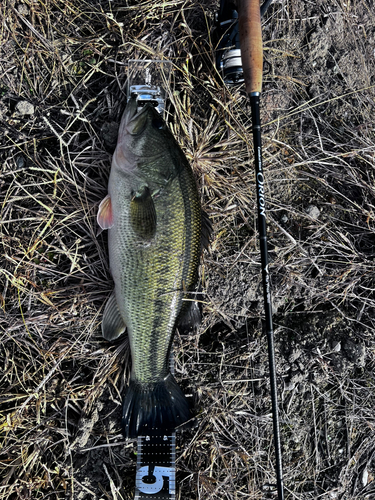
x,y
158,473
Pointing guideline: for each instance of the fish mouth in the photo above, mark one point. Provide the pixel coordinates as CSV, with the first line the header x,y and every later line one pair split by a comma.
x,y
135,121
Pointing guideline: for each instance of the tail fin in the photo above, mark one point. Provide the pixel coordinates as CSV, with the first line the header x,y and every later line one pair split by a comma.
x,y
148,407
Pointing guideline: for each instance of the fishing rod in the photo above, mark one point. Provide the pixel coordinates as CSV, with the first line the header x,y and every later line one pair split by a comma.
x,y
250,35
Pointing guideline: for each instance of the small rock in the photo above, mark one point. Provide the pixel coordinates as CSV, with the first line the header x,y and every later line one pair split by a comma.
x,y
20,161
364,477
333,494
313,212
295,354
336,346
289,386
297,377
355,352
23,9
284,219
25,108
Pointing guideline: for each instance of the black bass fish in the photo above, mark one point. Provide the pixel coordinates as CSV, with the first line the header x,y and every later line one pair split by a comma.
x,y
154,218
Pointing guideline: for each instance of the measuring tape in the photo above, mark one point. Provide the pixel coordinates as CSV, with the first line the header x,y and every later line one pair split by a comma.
x,y
156,471
155,478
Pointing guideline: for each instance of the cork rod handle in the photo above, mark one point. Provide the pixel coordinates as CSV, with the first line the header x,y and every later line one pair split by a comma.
x,y
251,44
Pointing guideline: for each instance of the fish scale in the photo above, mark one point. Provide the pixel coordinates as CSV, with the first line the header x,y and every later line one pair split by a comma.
x,y
155,223
158,272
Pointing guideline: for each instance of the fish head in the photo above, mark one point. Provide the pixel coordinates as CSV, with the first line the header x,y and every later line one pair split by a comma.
x,y
143,140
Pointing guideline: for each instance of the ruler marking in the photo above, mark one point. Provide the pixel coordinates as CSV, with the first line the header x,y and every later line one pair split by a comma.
x,y
156,456
155,478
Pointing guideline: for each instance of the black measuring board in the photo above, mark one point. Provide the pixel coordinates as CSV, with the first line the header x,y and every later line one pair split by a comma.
x,y
155,478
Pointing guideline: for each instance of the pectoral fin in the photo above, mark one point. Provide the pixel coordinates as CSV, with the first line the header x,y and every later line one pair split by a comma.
x,y
105,213
143,214
112,324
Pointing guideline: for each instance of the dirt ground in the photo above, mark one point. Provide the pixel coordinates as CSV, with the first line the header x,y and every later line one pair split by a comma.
x,y
62,92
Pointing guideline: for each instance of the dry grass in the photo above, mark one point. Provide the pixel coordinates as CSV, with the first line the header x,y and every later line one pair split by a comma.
x,y
61,383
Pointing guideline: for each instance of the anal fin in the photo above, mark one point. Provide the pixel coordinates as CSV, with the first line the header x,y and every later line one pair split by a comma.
x,y
190,315
112,323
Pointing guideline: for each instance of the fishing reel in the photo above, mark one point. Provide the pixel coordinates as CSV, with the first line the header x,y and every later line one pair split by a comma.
x,y
148,82
228,54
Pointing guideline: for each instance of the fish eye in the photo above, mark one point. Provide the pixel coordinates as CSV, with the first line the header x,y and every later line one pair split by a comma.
x,y
157,123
